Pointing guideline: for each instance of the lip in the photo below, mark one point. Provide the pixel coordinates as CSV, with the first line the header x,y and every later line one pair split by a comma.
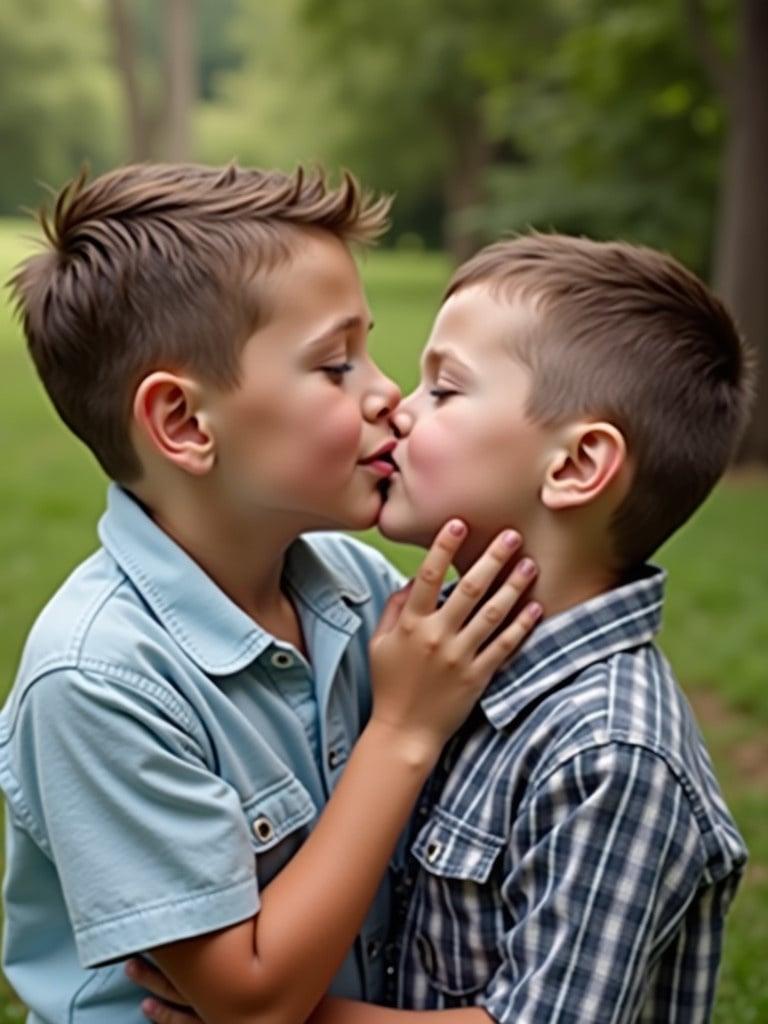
x,y
377,461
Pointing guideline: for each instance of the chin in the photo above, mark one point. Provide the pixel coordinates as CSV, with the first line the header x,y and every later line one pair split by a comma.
x,y
399,528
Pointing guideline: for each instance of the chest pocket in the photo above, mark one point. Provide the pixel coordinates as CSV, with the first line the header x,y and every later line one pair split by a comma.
x,y
279,821
458,904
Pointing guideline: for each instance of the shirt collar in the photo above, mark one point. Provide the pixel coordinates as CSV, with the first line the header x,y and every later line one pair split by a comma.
x,y
211,629
567,643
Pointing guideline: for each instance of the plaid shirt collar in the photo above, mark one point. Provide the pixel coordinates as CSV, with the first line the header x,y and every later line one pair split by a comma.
x,y
569,642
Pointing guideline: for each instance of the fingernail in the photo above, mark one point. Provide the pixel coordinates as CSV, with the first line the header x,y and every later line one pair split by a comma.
x,y
527,567
534,611
511,538
457,527
149,1006
131,969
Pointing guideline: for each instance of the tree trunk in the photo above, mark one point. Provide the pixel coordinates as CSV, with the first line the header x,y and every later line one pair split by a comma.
x,y
465,184
124,47
180,69
741,249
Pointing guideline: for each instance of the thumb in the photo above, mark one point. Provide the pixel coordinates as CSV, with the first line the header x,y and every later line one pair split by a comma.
x,y
392,609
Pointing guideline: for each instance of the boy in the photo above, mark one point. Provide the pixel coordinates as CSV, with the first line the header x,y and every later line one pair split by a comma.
x,y
186,702
573,859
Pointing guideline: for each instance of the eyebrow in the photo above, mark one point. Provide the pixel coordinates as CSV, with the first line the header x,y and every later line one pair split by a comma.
x,y
345,324
433,356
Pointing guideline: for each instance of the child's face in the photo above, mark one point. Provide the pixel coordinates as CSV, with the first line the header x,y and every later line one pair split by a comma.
x,y
467,447
311,406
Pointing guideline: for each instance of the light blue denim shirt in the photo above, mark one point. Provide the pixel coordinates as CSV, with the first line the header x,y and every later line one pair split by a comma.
x,y
162,757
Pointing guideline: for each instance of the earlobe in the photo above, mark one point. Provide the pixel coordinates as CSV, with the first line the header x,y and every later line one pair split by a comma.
x,y
585,466
166,411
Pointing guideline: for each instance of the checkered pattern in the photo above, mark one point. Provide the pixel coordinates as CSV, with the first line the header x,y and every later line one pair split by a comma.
x,y
578,860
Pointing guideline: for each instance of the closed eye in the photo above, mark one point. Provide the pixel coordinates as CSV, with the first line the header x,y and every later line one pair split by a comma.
x,y
442,393
337,371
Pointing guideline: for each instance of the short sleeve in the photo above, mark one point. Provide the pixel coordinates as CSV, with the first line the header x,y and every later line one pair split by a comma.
x,y
607,859
149,844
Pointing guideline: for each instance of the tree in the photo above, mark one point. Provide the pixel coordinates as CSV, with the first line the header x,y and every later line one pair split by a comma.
x,y
741,248
155,56
59,97
416,80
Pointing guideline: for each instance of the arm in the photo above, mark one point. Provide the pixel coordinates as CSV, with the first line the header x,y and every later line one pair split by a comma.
x,y
429,667
606,857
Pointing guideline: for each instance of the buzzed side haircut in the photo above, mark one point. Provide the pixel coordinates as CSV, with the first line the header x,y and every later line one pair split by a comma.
x,y
627,334
156,266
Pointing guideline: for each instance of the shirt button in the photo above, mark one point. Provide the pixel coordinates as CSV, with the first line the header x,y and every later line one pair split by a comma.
x,y
262,829
422,810
372,949
335,757
433,852
282,659
390,971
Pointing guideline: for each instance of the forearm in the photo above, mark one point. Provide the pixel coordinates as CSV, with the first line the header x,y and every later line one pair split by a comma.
x,y
314,908
312,911
344,1011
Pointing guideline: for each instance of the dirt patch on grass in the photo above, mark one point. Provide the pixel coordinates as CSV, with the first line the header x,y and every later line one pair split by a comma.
x,y
746,752
753,473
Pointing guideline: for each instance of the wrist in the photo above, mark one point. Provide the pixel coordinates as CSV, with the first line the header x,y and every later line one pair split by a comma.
x,y
415,749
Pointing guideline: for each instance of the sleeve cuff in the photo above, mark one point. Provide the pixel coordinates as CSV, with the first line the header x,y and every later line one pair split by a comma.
x,y
142,929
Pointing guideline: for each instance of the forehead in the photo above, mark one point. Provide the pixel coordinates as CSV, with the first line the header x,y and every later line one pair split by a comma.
x,y
318,279
478,324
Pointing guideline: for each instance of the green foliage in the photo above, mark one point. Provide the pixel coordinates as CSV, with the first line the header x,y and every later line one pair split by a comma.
x,y
59,96
621,132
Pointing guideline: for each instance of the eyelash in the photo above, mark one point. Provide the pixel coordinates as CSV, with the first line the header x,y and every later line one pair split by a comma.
x,y
337,371
442,393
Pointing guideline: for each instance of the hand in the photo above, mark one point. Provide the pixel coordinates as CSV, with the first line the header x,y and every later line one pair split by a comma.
x,y
170,1006
430,665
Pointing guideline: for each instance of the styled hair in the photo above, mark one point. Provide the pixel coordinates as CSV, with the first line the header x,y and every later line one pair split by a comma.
x,y
156,266
627,334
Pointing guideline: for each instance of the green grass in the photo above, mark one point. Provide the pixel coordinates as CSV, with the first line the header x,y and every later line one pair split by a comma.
x,y
716,629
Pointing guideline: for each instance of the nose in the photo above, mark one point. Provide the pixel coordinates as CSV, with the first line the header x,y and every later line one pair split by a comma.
x,y
402,418
381,399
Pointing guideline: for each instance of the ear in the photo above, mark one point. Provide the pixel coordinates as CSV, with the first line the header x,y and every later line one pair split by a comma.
x,y
166,410
589,460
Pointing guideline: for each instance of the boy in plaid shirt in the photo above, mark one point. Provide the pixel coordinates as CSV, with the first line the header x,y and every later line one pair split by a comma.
x,y
573,859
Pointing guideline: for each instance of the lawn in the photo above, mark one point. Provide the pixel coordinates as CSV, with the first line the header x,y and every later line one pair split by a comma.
x,y
716,629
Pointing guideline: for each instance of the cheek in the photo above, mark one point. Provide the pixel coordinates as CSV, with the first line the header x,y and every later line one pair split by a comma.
x,y
334,430
434,450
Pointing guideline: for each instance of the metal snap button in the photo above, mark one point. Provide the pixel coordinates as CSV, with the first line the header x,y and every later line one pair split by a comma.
x,y
433,852
335,757
373,949
282,659
262,829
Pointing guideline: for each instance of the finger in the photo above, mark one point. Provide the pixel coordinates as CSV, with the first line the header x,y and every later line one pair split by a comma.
x,y
437,561
474,584
489,617
162,1013
147,976
392,609
505,645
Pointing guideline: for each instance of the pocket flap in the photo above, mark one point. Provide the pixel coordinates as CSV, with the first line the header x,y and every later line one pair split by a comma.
x,y
450,848
274,813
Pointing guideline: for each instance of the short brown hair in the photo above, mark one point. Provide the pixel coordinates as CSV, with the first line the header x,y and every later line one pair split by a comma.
x,y
628,334
155,266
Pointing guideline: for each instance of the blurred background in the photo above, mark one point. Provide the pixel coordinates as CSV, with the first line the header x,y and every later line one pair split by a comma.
x,y
644,119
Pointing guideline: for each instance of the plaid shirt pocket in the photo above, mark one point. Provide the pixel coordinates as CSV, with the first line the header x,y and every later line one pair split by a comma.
x,y
456,930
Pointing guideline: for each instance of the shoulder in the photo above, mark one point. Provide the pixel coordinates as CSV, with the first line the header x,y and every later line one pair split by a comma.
x,y
95,626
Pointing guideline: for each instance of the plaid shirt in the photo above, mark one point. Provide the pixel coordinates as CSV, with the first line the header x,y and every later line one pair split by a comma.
x,y
578,861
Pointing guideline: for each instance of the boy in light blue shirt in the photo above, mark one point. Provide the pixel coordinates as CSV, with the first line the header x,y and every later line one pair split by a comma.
x,y
191,740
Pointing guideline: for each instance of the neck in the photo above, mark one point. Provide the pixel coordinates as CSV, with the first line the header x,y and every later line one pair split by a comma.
x,y
570,570
244,556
